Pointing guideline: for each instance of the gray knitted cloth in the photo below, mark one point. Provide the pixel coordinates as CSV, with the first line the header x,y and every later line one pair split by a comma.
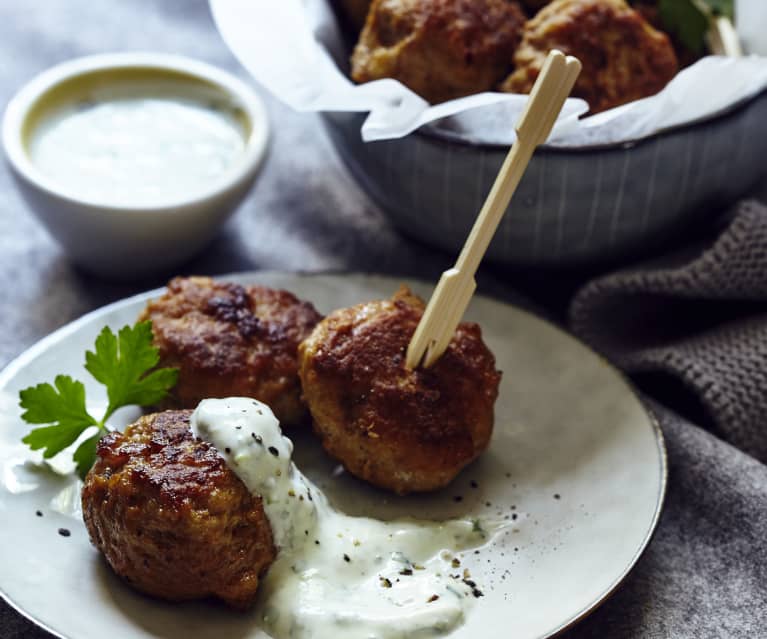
x,y
698,319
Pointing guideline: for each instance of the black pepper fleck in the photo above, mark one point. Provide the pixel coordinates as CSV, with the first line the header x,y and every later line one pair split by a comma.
x,y
274,451
473,484
556,496
458,498
64,532
257,438
227,450
38,513
347,559
432,598
406,571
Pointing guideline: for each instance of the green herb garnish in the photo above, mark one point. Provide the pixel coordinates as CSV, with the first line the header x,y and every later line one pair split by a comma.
x,y
476,526
689,20
123,363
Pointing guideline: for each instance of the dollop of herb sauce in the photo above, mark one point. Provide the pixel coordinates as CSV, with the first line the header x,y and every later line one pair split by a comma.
x,y
335,575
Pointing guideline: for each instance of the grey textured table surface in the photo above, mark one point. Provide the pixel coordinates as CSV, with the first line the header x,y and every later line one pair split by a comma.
x,y
704,574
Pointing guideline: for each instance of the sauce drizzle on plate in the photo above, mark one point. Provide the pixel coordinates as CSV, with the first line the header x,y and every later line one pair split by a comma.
x,y
338,576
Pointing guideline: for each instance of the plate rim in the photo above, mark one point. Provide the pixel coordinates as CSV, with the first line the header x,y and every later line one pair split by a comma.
x,y
41,345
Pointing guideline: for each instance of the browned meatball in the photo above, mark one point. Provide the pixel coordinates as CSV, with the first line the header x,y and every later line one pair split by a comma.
x,y
171,518
398,429
623,57
441,49
228,340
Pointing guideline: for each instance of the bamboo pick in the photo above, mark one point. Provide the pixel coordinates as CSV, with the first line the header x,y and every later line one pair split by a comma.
x,y
456,286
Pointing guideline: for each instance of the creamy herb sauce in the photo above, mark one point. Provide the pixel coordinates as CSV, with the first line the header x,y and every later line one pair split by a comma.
x,y
338,576
137,150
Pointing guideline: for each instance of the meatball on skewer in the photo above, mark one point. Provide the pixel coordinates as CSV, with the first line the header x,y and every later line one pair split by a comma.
x,y
398,429
441,49
624,58
228,339
170,516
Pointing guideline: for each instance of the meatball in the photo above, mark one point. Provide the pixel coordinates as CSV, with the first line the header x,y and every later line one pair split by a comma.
x,y
624,58
403,430
229,340
441,49
171,518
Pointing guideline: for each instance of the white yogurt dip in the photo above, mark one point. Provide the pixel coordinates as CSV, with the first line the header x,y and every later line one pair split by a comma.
x,y
137,149
338,576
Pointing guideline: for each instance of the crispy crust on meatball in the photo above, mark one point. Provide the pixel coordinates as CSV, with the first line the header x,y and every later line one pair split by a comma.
x,y
398,429
624,58
171,518
441,49
228,340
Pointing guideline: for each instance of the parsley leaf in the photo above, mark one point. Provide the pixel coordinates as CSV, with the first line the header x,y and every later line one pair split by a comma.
x,y
123,363
62,406
689,20
684,19
120,363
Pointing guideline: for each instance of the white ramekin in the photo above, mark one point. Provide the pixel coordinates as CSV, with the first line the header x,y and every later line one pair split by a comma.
x,y
130,241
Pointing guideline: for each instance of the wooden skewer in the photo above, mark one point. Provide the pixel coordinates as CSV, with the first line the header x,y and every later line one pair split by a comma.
x,y
456,286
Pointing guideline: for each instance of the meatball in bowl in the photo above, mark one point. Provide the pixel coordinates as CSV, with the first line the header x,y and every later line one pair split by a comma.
x,y
608,195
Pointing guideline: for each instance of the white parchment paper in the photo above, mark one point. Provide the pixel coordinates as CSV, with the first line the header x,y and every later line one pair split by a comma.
x,y
295,49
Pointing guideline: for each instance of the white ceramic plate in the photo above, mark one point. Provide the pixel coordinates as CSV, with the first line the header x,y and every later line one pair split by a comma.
x,y
576,463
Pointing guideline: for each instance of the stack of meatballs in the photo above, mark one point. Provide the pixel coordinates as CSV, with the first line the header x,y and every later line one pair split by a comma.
x,y
174,520
445,49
